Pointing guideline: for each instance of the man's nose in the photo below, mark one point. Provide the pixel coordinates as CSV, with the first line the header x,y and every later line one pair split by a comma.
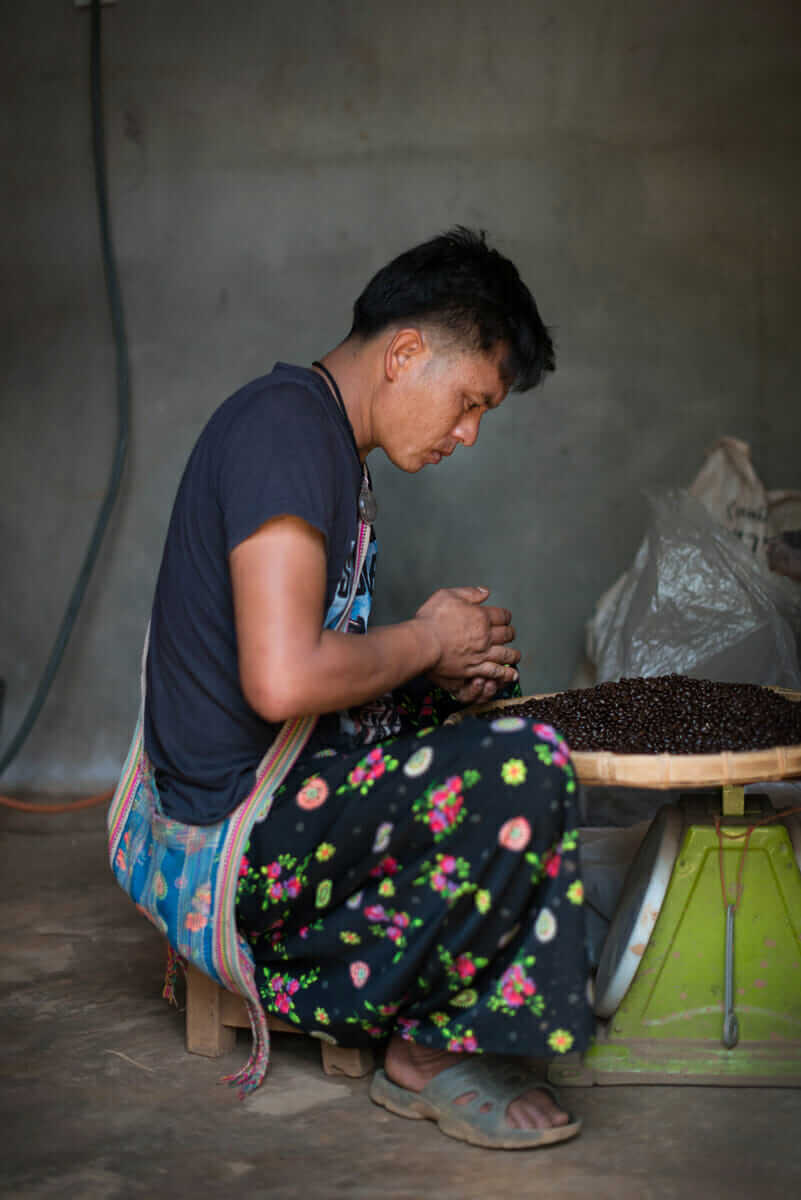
x,y
466,431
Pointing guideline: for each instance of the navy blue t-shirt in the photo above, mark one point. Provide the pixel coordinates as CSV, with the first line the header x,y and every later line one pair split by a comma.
x,y
280,445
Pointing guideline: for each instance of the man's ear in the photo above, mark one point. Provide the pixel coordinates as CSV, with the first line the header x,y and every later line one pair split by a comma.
x,y
407,348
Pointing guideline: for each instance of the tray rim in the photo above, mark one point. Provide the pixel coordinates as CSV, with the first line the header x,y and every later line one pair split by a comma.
x,y
667,771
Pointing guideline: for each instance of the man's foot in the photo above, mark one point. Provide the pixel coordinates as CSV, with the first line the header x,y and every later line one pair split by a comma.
x,y
411,1066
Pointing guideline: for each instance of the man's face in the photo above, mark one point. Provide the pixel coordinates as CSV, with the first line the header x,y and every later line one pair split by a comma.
x,y
439,403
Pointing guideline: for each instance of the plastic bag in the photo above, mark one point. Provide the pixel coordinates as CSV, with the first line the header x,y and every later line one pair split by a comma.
x,y
606,855
697,602
734,497
730,490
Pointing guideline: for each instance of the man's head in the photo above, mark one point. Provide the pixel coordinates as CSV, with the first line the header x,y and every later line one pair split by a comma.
x,y
468,296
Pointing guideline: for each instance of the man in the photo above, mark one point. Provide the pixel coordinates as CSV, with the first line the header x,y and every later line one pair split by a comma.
x,y
411,883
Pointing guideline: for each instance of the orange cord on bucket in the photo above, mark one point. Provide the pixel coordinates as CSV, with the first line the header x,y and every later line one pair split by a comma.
x,y
72,806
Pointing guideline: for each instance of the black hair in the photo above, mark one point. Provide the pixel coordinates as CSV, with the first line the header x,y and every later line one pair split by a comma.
x,y
468,290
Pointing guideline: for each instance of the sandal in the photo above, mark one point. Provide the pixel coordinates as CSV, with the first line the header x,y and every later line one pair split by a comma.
x,y
495,1084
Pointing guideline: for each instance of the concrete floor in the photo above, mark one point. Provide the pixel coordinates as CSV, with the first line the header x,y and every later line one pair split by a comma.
x,y
100,1099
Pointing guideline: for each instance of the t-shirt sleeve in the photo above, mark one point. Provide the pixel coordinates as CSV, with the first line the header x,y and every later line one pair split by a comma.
x,y
279,458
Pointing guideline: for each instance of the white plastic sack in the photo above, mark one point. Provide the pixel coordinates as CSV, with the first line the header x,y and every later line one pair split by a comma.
x,y
606,855
730,490
697,602
708,614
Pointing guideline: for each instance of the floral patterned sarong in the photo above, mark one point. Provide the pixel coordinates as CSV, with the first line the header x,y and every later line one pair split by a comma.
x,y
427,886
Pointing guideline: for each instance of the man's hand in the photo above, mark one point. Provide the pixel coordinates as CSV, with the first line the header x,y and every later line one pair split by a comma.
x,y
289,666
467,691
475,659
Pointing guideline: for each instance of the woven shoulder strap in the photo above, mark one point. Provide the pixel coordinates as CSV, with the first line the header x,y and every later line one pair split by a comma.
x,y
226,955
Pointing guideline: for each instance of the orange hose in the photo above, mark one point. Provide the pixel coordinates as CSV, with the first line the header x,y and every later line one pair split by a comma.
x,y
72,806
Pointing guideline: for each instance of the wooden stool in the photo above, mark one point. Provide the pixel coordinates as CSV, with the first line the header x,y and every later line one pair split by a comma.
x,y
213,1016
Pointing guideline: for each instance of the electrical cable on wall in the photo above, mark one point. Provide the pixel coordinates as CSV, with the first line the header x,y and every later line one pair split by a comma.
x,y
123,392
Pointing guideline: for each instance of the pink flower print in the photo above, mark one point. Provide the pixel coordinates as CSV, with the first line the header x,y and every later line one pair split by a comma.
x,y
313,793
512,997
470,1044
454,1045
375,912
273,870
559,757
357,775
387,866
447,863
359,973
453,809
454,783
282,1002
401,919
277,983
394,933
196,921
440,796
407,1027
551,863
465,969
377,765
244,866
276,891
515,834
437,822
293,887
516,986
292,986
374,1030
303,931
439,882
546,731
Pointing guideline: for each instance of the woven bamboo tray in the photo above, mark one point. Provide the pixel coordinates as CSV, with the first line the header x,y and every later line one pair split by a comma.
x,y
602,768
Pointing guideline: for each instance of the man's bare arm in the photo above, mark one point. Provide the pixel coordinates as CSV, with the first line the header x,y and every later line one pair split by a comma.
x,y
289,665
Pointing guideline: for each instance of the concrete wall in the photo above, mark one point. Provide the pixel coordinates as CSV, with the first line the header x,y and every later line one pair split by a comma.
x,y
638,159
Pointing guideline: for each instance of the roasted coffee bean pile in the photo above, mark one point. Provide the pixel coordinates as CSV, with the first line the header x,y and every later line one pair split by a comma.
x,y
667,714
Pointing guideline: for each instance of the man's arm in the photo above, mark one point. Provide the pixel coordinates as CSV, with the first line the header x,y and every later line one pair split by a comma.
x,y
290,666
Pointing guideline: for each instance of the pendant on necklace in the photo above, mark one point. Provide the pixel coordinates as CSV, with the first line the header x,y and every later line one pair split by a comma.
x,y
368,508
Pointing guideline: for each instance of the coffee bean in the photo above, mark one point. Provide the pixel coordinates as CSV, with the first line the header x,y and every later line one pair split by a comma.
x,y
667,714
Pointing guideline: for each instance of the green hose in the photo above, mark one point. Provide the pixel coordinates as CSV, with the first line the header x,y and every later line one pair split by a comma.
x,y
123,400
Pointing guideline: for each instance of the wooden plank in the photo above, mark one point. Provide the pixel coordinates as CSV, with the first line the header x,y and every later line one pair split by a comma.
x,y
233,1010
344,1060
205,1032
213,1016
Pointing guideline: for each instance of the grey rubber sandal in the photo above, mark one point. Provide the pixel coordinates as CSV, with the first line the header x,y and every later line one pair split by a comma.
x,y
495,1084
